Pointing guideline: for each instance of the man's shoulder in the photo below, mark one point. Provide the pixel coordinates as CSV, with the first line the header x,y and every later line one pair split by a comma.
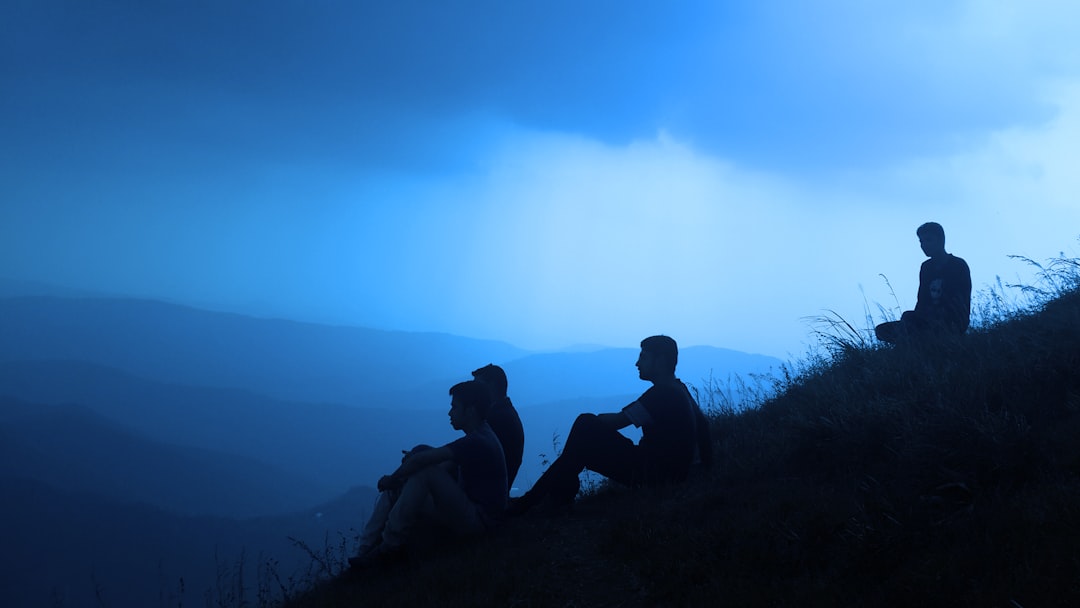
x,y
666,392
946,263
483,434
474,435
480,439
956,267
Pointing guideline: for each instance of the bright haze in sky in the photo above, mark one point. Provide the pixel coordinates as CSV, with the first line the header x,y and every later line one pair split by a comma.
x,y
544,173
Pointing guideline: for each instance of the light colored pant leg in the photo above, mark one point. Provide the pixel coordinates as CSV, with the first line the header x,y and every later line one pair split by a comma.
x,y
433,494
380,512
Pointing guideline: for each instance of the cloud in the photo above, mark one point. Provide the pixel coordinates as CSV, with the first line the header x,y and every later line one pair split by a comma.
x,y
816,88
582,241
567,173
1018,188
826,87
368,83
583,238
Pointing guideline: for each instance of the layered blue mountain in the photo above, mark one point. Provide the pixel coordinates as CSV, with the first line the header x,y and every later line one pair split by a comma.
x,y
330,446
334,405
71,447
70,548
142,432
277,358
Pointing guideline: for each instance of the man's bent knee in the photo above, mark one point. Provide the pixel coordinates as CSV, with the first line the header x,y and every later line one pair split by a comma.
x,y
586,427
585,421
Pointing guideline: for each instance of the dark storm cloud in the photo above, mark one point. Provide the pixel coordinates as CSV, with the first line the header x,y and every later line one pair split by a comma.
x,y
368,82
406,85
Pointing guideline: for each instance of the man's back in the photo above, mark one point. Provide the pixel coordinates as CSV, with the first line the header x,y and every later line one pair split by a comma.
x,y
668,440
506,424
482,470
945,292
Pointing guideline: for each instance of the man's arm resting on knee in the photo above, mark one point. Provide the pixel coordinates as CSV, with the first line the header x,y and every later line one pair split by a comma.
x,y
614,421
414,462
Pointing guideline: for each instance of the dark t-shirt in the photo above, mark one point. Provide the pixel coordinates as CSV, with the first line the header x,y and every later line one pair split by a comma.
x,y
481,469
945,293
504,420
666,416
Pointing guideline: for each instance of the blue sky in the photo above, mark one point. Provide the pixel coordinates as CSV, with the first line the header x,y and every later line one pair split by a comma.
x,y
545,173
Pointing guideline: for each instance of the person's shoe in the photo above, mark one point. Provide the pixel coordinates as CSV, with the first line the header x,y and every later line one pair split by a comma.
x,y
363,556
519,505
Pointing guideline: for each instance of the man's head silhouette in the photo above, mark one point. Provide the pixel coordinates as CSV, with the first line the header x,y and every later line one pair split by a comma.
x,y
493,376
469,404
932,239
658,358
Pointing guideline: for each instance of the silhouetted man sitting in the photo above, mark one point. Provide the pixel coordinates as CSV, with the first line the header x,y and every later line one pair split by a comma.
x,y
673,429
460,486
944,301
504,419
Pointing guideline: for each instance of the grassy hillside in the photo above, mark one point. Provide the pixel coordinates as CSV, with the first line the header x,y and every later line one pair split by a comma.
x,y
944,475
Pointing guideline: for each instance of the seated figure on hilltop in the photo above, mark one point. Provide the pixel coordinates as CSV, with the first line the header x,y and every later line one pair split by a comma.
x,y
504,419
459,487
944,301
673,432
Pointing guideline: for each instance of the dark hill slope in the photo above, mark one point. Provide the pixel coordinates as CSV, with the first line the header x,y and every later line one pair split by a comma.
x,y
940,476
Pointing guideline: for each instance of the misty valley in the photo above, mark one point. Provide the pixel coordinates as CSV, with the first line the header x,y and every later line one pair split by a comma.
x,y
152,452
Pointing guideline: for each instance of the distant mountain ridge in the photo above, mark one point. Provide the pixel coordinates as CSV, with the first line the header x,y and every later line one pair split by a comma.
x,y
283,359
544,377
15,288
71,447
278,391
332,445
308,362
